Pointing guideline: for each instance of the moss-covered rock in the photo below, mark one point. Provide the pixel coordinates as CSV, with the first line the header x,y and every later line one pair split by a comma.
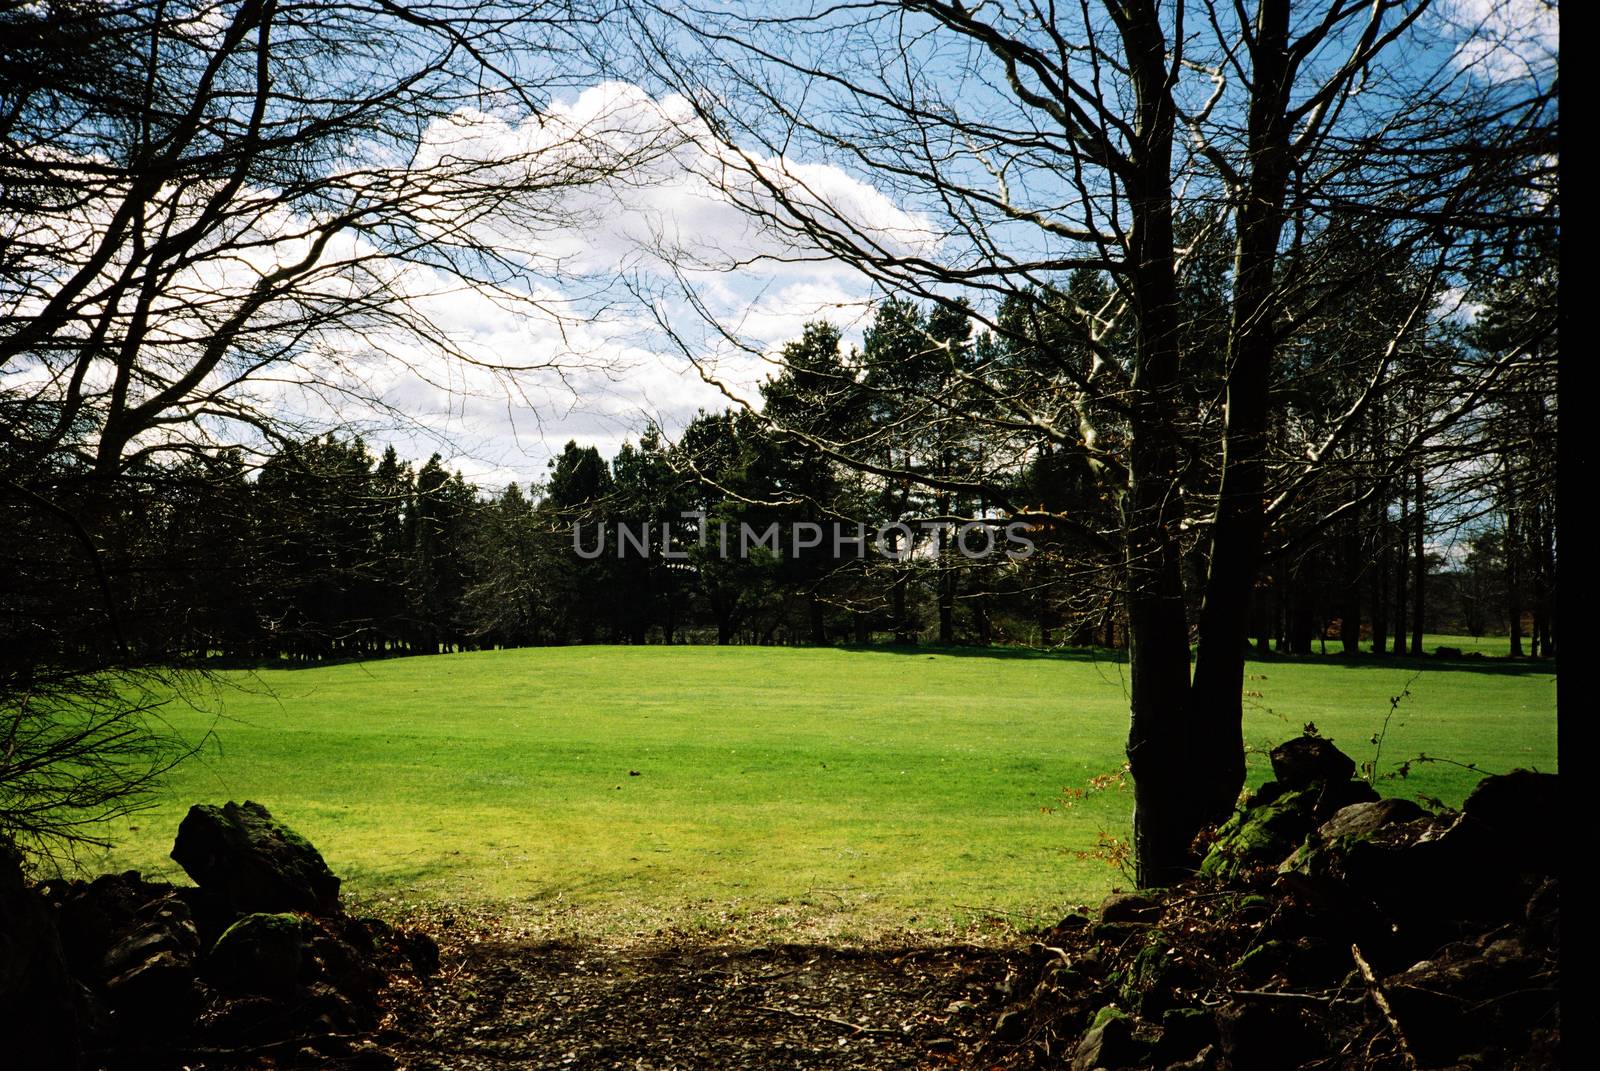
x,y
1109,1042
1262,961
1184,1032
254,862
261,953
1261,836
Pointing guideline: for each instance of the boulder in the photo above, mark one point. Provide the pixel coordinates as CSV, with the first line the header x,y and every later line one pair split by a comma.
x,y
1109,1043
1261,836
1129,907
255,863
1365,819
1305,760
261,954
1524,809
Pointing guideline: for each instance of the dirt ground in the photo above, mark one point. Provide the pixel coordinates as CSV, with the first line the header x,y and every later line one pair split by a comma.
x,y
680,1005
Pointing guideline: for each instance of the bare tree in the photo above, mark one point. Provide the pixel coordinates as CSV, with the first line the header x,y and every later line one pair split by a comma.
x,y
1122,137
222,219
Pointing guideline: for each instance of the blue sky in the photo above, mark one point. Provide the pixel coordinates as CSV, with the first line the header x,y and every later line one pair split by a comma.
x,y
615,370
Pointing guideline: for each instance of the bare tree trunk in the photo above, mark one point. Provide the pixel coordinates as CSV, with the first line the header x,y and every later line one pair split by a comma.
x,y
1165,819
1419,556
1216,707
897,594
1400,574
1380,576
947,605
1350,593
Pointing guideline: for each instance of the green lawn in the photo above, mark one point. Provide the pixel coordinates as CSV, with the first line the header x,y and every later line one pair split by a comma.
x,y
837,791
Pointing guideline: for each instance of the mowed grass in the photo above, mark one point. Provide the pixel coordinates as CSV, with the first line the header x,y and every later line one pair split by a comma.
x,y
622,790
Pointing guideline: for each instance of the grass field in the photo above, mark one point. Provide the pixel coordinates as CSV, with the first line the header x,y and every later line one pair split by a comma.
x,y
836,791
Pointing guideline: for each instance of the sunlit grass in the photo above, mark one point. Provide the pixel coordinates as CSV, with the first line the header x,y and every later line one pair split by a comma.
x,y
851,789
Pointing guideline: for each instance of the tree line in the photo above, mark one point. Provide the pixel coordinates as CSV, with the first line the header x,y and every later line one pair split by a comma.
x,y
325,551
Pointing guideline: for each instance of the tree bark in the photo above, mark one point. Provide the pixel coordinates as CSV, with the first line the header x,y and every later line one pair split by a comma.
x,y
1400,574
1513,554
1350,596
1236,536
1419,561
947,605
1380,575
1164,817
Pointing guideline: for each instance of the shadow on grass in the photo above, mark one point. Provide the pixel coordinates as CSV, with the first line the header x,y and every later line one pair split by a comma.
x,y
1495,665
1503,666
1050,654
1500,666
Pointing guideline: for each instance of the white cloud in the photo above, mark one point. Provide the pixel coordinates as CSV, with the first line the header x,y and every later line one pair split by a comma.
x,y
674,216
1505,40
595,365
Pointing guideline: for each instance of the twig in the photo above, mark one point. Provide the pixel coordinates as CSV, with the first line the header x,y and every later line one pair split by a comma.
x,y
1325,998
1381,999
854,1027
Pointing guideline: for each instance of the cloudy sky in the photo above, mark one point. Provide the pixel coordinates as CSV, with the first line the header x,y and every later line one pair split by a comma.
x,y
627,248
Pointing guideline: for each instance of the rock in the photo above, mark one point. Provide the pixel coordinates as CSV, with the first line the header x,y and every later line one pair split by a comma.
x,y
1365,819
1514,801
1129,907
1109,1043
1543,914
1300,762
1253,908
150,972
260,954
1337,795
1261,836
1262,961
1185,1033
1265,1037
1523,808
1011,1024
1269,791
92,916
1205,1059
164,926
39,1021
257,864
420,950
1470,992
1159,972
1447,652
